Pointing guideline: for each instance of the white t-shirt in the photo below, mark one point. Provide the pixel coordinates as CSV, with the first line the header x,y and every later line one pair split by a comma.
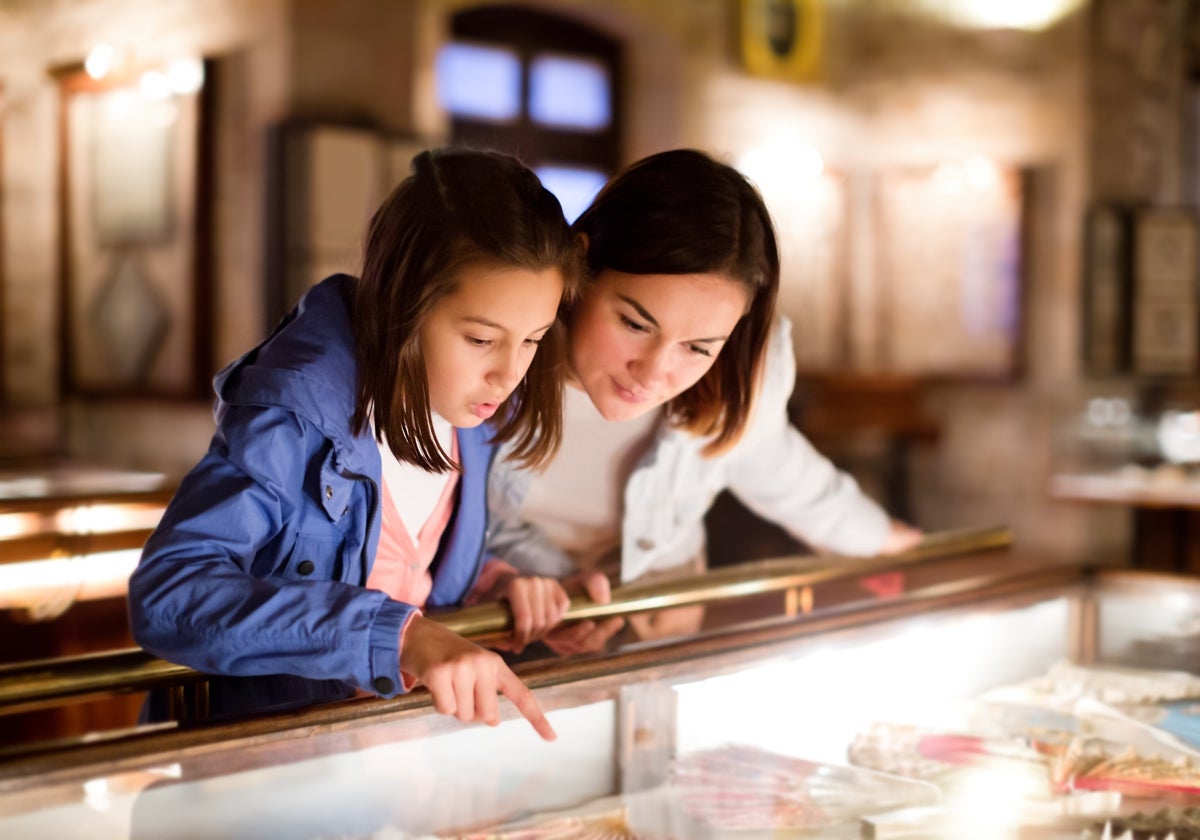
x,y
579,501
415,492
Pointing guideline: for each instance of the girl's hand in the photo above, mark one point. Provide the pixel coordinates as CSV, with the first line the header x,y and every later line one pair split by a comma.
x,y
463,678
537,605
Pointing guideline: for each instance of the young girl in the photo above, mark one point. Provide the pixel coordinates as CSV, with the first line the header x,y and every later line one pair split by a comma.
x,y
345,484
680,375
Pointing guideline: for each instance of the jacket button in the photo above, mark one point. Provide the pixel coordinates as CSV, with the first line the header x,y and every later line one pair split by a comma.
x,y
383,685
645,544
306,567
328,491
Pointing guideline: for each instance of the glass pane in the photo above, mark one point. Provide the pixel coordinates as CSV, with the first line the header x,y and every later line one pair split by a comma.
x,y
569,92
475,81
575,188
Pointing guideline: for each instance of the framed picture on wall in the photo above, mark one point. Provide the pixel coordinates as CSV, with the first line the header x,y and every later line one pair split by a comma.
x,y
1164,292
950,252
1106,289
135,237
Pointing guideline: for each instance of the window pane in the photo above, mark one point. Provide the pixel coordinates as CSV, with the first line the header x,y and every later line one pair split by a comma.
x,y
475,81
569,92
575,188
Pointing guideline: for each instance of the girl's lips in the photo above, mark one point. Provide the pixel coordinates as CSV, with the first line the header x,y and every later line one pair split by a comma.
x,y
484,410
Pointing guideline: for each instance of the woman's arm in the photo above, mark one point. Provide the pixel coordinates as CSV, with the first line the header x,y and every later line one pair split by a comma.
x,y
778,474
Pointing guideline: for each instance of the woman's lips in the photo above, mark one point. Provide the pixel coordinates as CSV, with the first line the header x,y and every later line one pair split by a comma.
x,y
484,410
627,395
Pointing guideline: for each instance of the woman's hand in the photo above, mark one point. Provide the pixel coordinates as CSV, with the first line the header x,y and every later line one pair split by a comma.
x,y
463,678
537,605
900,537
586,636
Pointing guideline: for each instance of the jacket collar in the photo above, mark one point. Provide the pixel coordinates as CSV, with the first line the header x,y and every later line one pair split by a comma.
x,y
306,366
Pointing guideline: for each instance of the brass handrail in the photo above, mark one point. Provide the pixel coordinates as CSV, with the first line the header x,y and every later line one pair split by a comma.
x,y
48,682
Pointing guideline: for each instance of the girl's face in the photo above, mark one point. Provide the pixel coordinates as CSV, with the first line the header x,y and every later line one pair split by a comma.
x,y
479,340
638,340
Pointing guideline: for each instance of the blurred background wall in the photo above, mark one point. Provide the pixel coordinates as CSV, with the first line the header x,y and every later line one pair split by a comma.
x,y
931,167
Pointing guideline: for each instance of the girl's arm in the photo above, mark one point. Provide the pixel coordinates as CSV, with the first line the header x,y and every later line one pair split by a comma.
x,y
198,597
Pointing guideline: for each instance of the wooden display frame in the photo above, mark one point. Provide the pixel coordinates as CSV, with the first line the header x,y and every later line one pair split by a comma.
x,y
135,245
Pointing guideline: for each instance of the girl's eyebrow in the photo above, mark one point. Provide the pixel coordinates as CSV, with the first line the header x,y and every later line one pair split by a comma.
x,y
642,311
484,322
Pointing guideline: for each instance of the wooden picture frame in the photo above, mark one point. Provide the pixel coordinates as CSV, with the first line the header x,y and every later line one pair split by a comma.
x,y
1106,289
1166,245
951,242
135,238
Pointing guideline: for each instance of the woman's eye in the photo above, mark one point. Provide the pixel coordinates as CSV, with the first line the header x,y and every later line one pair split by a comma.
x,y
703,351
532,342
633,325
478,342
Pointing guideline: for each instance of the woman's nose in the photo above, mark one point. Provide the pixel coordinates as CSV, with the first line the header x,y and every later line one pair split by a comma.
x,y
651,368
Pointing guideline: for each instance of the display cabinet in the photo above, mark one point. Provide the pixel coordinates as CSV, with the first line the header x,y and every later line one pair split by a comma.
x,y
798,687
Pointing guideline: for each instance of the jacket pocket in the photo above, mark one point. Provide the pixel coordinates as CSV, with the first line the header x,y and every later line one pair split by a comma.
x,y
314,557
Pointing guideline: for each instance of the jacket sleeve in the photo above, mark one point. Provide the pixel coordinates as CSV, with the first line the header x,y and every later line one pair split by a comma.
x,y
513,539
198,598
778,474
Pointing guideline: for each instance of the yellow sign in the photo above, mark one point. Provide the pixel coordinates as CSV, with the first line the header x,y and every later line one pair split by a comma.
x,y
782,38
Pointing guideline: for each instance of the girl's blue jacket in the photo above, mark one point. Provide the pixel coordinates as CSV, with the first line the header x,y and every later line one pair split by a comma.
x,y
257,570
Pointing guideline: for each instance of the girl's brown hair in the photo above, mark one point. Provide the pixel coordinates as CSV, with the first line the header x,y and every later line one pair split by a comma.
x,y
457,209
682,212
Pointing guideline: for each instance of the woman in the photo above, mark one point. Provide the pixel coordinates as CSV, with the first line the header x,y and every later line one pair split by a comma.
x,y
680,375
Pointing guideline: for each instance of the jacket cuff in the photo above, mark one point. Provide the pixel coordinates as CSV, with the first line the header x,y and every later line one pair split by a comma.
x,y
384,641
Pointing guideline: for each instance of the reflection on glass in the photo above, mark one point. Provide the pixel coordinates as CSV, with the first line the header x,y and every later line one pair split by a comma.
x,y
569,92
476,81
574,187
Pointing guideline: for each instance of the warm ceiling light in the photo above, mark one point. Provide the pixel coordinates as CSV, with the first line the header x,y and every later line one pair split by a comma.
x,y
1001,14
100,61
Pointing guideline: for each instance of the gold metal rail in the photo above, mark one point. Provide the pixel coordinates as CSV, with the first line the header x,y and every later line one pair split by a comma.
x,y
50,682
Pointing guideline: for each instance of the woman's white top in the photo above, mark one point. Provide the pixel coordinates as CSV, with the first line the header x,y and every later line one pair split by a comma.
x,y
578,502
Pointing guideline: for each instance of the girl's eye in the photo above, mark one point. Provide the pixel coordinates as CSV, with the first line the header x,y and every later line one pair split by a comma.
x,y
478,342
703,351
633,325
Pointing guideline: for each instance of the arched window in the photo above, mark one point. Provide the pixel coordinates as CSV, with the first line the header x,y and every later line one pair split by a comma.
x,y
538,86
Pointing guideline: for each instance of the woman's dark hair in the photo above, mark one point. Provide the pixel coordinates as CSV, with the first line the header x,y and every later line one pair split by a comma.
x,y
682,212
457,209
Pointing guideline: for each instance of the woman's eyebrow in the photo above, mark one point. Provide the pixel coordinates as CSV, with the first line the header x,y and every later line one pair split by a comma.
x,y
641,309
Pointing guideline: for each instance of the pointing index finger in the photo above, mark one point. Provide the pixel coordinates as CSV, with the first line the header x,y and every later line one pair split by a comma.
x,y
511,687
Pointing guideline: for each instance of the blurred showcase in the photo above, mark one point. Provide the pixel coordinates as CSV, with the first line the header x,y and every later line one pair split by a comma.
x,y
1136,448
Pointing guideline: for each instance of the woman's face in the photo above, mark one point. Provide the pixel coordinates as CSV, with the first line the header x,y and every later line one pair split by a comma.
x,y
638,340
479,340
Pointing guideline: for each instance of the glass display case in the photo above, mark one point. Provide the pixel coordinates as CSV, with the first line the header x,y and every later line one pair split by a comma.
x,y
638,725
